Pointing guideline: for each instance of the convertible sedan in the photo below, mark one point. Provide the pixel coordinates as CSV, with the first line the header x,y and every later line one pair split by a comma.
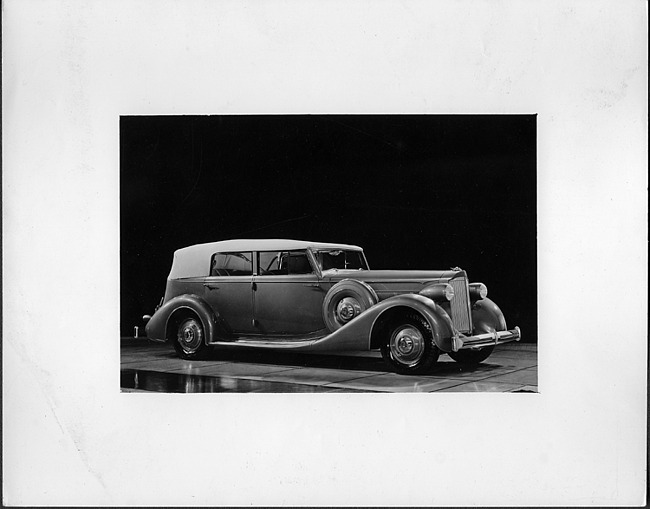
x,y
318,297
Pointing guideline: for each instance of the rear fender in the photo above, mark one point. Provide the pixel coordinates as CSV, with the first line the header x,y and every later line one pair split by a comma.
x,y
158,327
442,328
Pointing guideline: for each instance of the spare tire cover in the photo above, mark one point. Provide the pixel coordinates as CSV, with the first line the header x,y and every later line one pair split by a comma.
x,y
346,300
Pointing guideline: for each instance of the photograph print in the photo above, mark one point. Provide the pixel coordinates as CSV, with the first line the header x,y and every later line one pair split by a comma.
x,y
328,253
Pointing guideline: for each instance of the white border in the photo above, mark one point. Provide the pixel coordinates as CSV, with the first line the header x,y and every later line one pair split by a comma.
x,y
70,69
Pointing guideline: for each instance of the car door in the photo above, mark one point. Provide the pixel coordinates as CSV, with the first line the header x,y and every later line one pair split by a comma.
x,y
228,290
288,295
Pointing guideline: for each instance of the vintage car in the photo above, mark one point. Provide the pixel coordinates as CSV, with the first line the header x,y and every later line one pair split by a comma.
x,y
320,297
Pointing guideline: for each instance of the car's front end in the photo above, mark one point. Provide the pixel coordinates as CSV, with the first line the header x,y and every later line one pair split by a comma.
x,y
475,322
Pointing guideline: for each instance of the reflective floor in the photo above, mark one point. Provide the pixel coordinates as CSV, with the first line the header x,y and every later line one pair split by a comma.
x,y
154,367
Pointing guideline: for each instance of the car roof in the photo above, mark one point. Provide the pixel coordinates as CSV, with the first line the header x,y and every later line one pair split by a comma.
x,y
193,261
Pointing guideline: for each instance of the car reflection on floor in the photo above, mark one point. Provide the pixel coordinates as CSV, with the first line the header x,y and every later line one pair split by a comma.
x,y
152,367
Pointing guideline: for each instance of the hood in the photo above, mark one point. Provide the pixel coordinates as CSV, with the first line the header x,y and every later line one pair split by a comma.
x,y
388,283
387,276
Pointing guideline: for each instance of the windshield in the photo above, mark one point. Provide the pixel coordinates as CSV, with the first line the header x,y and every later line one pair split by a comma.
x,y
341,259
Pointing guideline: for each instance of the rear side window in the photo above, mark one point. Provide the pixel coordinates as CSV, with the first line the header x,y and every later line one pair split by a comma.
x,y
232,264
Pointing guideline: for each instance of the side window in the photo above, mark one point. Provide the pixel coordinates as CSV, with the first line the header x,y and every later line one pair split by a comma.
x,y
231,264
274,263
297,263
269,263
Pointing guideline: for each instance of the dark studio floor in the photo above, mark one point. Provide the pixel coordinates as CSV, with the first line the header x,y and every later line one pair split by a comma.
x,y
154,367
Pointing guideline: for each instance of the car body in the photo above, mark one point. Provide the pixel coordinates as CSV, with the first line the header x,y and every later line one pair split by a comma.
x,y
315,296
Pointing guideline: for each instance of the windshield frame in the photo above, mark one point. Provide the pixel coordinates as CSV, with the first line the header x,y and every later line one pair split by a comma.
x,y
361,254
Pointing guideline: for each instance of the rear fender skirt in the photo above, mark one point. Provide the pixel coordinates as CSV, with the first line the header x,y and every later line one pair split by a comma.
x,y
442,328
487,317
156,327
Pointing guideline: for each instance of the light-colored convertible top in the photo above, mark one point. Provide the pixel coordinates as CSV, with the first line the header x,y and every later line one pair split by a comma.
x,y
194,261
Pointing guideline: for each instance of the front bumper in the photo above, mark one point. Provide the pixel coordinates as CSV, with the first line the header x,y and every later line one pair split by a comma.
x,y
462,342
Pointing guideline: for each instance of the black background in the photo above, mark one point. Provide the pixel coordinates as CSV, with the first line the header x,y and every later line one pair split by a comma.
x,y
415,191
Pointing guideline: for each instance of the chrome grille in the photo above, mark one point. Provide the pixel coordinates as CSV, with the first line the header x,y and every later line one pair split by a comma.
x,y
460,307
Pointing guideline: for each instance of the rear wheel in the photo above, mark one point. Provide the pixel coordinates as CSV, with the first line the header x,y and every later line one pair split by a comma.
x,y
472,356
408,346
190,339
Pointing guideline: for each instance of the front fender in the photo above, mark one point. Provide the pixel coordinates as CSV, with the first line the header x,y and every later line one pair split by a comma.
x,y
442,328
487,317
364,332
156,328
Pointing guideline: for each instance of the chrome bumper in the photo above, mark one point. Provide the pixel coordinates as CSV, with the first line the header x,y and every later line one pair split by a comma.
x,y
486,339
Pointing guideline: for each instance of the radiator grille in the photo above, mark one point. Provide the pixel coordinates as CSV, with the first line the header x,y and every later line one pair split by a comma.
x,y
460,307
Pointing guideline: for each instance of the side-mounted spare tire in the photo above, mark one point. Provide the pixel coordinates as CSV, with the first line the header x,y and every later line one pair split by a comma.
x,y
345,301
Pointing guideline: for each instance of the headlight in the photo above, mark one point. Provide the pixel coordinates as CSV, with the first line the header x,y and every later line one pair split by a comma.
x,y
438,291
477,291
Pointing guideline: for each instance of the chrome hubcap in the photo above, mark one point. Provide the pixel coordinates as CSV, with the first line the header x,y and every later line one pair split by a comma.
x,y
407,345
190,336
347,309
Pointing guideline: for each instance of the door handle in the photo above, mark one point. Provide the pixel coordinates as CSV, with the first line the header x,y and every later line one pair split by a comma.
x,y
312,285
210,287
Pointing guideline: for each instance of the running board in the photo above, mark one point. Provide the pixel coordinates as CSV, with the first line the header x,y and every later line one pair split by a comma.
x,y
279,345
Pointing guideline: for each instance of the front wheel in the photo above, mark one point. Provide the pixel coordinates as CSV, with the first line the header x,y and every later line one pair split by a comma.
x,y
408,346
471,356
189,342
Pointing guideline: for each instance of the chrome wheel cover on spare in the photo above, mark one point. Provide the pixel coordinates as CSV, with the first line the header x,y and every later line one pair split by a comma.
x,y
190,336
407,345
346,310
